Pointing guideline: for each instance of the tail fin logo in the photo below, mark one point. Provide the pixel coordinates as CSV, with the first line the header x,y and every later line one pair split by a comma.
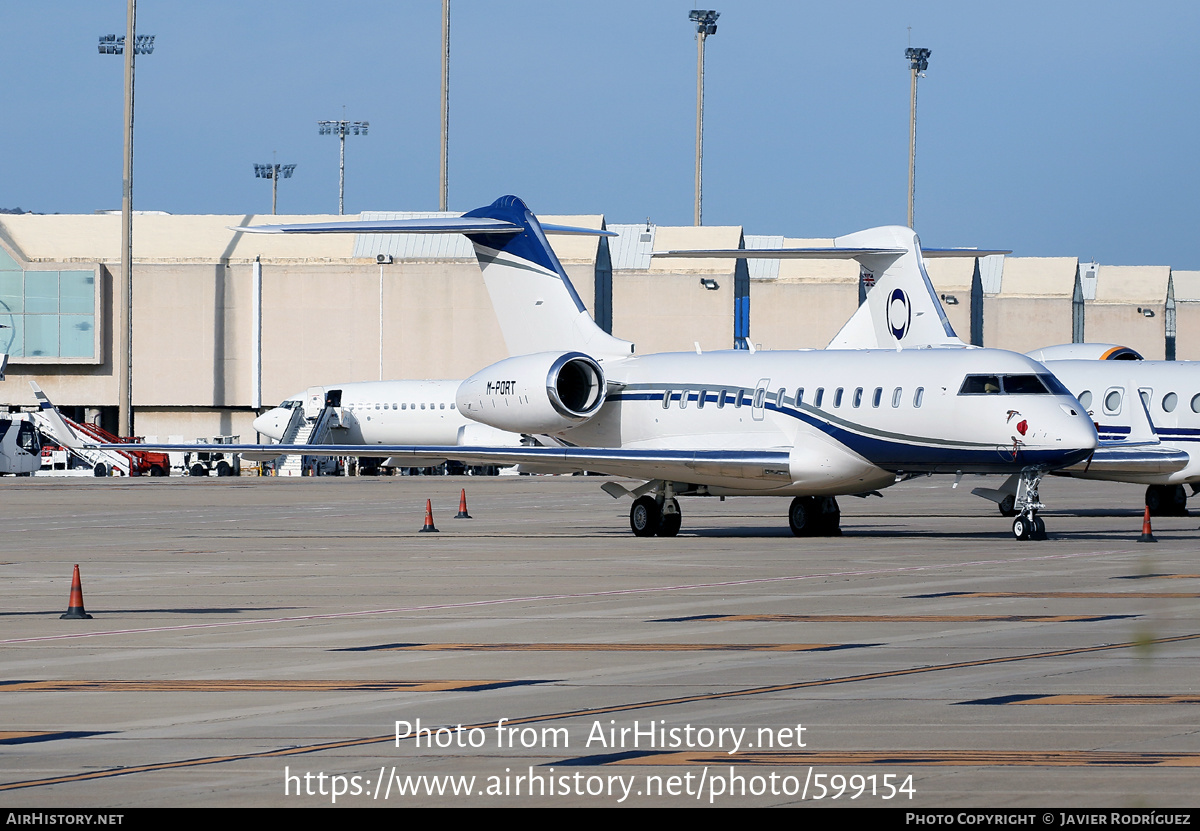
x,y
899,313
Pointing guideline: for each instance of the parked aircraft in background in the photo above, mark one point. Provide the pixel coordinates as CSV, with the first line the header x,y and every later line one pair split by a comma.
x,y
810,425
1104,377
375,413
20,449
1152,438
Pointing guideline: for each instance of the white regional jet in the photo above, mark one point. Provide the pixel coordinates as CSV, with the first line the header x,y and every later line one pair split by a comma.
x,y
810,425
1152,438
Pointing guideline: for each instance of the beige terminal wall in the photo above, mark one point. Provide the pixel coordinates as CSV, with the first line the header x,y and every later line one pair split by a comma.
x,y
1033,308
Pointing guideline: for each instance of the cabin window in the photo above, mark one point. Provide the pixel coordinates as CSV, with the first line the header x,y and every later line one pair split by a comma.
x,y
1145,394
1196,403
858,397
821,394
700,396
666,399
452,405
683,396
1170,400
897,394
737,398
877,397
918,396
837,397
1112,402
780,397
441,406
720,399
799,396
760,396
1085,398
422,406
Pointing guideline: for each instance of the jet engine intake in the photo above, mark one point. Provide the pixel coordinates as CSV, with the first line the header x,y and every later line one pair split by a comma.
x,y
546,392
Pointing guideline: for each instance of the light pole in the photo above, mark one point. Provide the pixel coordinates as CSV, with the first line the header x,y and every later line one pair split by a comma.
x,y
706,24
274,172
123,356
340,129
918,62
444,177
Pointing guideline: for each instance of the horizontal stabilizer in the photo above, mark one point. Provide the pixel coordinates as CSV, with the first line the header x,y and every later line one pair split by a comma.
x,y
930,253
432,225
780,253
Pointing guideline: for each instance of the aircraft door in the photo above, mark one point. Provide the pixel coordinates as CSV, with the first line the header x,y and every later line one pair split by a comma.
x,y
758,404
314,402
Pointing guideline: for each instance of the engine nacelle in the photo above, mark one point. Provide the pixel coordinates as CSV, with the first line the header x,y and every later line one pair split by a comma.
x,y
542,393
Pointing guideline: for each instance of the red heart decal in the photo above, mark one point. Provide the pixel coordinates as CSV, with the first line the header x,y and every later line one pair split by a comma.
x,y
1022,426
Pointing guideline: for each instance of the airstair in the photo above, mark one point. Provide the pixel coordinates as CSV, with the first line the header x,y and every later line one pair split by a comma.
x,y
309,425
111,460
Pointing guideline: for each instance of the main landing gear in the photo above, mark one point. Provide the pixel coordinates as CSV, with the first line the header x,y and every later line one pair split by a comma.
x,y
1028,525
656,514
1166,500
815,516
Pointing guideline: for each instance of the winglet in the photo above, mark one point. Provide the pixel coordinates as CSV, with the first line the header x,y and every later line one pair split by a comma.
x,y
64,434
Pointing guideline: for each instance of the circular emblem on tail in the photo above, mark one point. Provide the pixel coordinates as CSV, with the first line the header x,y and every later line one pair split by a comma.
x,y
899,313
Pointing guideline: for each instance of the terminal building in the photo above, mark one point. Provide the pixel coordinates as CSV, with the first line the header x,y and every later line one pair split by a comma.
x,y
341,308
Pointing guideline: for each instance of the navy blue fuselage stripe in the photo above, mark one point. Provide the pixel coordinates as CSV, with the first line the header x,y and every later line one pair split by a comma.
x,y
894,455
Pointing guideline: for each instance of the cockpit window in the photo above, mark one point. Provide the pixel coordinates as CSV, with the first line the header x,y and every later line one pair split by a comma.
x,y
1012,385
980,385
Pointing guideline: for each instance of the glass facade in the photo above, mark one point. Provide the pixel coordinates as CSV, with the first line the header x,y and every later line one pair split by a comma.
x,y
49,314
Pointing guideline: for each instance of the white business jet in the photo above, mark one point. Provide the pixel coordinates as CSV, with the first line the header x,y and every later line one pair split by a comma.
x,y
1144,438
810,425
1121,391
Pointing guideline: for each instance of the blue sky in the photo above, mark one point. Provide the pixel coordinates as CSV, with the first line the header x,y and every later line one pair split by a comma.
x,y
1052,128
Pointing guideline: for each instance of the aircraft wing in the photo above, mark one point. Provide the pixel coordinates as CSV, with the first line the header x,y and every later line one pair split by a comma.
x,y
1134,459
767,466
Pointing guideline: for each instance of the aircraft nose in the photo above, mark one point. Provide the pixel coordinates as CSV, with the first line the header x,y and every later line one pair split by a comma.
x,y
268,424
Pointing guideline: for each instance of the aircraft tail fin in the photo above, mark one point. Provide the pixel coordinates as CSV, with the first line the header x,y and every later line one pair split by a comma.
x,y
62,433
902,309
535,302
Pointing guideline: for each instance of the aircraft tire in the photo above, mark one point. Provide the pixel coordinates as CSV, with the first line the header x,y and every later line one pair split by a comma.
x,y
803,516
1008,506
1022,528
669,524
830,521
1039,529
645,516
1166,500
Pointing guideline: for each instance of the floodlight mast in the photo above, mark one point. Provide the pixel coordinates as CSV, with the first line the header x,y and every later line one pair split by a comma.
x,y
340,129
918,62
274,172
706,24
444,173
123,301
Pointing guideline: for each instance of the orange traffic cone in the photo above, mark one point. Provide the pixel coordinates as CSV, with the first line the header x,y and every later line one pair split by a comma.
x,y
428,518
75,604
1147,534
462,507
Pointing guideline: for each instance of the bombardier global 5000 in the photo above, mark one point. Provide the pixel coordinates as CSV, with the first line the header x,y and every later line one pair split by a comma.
x,y
810,425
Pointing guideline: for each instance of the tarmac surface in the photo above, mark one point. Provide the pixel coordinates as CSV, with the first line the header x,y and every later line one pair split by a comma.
x,y
254,642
